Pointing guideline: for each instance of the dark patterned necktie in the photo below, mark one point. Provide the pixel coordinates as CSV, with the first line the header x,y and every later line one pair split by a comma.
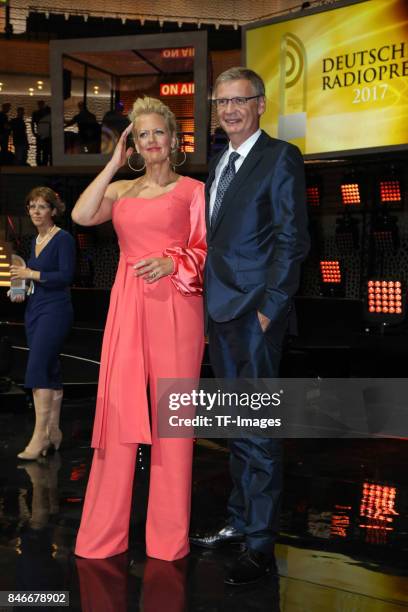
x,y
225,179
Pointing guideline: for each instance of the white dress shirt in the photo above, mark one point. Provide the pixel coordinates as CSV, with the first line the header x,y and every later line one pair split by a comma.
x,y
242,151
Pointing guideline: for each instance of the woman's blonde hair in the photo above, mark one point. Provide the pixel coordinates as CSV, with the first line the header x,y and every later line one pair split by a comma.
x,y
146,106
51,197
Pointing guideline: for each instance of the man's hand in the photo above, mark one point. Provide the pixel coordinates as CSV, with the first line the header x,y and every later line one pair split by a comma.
x,y
263,321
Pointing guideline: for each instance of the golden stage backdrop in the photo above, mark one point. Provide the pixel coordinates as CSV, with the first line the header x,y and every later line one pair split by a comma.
x,y
335,80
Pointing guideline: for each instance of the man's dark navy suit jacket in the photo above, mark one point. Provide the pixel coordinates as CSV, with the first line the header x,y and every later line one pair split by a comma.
x,y
260,236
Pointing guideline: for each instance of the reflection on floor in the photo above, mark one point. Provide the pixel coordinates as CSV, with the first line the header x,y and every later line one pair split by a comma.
x,y
343,544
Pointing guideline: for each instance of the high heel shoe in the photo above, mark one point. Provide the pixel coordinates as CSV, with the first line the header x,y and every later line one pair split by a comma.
x,y
55,437
31,454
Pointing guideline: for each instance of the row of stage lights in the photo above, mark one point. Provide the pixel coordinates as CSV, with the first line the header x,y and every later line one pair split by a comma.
x,y
384,301
389,192
384,231
40,86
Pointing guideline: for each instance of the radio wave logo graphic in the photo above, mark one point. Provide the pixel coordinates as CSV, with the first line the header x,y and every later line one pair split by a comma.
x,y
295,60
292,90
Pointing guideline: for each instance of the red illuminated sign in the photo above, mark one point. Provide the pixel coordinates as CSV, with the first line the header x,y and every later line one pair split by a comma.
x,y
177,53
176,89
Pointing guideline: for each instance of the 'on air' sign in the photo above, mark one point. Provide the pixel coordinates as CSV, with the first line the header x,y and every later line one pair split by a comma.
x,y
177,89
177,53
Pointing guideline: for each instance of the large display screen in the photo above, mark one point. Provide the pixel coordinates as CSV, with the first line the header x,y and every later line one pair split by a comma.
x,y
336,80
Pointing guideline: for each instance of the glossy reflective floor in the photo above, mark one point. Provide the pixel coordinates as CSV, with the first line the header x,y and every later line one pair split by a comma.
x,y
343,543
344,529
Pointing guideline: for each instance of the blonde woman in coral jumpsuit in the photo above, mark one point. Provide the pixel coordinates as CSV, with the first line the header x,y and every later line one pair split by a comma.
x,y
154,330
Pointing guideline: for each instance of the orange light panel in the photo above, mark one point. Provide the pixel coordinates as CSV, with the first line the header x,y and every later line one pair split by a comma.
x,y
313,196
390,191
340,521
384,297
377,511
350,194
383,238
330,271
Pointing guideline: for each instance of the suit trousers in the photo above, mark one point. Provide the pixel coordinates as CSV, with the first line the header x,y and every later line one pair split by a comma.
x,y
240,349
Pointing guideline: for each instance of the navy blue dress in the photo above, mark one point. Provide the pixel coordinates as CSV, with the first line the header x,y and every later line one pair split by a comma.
x,y
49,314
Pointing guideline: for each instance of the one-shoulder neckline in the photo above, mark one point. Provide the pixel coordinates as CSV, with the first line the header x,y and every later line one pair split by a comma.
x,y
180,180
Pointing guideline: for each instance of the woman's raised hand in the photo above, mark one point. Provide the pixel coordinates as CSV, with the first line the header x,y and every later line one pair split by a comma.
x,y
121,152
94,205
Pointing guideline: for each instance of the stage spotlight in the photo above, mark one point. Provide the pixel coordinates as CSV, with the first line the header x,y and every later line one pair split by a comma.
x,y
385,233
390,192
390,189
313,192
330,271
378,509
350,192
313,196
385,303
332,279
347,234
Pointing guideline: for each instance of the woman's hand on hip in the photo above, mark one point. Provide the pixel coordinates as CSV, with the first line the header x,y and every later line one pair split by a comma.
x,y
154,268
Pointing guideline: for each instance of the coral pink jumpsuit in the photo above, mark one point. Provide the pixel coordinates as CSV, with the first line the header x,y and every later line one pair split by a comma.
x,y
152,331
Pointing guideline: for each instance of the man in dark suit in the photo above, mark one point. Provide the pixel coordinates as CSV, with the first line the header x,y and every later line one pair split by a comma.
x,y
257,238
43,143
4,127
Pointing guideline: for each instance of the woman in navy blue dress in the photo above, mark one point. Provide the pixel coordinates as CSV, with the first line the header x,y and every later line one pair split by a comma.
x,y
48,316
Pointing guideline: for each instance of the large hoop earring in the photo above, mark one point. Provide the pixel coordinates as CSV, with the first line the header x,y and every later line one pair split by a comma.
x,y
173,163
136,169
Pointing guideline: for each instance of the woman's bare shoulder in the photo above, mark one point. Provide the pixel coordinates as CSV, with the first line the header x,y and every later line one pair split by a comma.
x,y
118,189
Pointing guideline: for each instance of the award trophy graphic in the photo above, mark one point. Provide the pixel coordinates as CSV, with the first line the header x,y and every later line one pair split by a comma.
x,y
292,91
17,285
7,259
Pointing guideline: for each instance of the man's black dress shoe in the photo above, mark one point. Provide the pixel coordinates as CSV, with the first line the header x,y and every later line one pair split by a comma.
x,y
215,539
250,566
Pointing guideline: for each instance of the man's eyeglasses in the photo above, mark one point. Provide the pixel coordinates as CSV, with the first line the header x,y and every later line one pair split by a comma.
x,y
238,101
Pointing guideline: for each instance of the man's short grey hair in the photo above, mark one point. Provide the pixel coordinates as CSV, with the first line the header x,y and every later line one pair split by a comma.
x,y
240,72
